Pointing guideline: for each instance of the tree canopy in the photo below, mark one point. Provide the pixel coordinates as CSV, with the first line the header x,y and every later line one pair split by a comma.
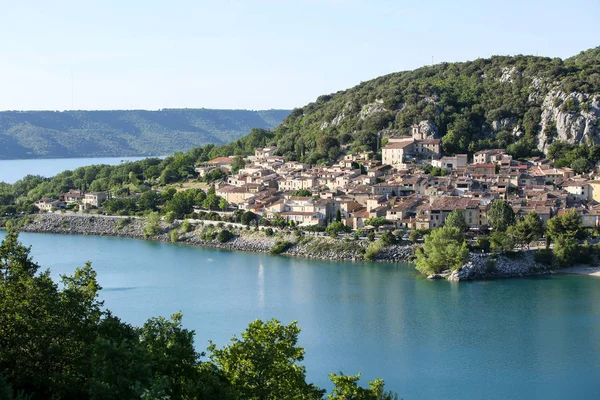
x,y
59,342
444,249
501,215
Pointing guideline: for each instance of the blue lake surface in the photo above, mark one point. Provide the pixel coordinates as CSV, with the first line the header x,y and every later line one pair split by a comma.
x,y
13,170
506,339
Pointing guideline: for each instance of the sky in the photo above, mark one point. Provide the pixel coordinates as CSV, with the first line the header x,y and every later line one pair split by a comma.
x,y
257,54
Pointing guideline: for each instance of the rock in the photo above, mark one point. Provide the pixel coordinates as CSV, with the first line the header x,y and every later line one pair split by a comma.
x,y
316,247
436,276
572,127
430,128
372,108
486,266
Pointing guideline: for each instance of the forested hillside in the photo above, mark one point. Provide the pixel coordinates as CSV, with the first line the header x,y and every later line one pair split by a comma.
x,y
37,134
523,103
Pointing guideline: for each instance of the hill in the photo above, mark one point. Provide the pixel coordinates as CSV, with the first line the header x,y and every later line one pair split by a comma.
x,y
48,134
523,103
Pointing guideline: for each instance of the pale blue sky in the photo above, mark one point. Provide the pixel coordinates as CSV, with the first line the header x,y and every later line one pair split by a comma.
x,y
257,54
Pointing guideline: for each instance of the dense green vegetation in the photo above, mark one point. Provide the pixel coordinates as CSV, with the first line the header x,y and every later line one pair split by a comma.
x,y
35,134
581,157
462,99
446,248
59,342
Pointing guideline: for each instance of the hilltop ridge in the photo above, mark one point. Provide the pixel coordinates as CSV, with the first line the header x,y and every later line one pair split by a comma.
x,y
522,103
54,134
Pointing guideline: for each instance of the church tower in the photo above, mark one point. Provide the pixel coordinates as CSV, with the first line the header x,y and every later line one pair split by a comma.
x,y
416,133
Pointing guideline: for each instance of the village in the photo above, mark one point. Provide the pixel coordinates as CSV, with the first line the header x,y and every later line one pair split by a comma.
x,y
399,190
414,186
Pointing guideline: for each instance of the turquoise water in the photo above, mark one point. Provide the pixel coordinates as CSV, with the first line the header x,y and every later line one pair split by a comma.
x,y
506,339
13,170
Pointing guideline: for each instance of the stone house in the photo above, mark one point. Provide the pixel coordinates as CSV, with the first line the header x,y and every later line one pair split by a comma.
x,y
94,199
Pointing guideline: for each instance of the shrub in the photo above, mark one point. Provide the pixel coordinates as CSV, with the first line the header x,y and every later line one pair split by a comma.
x,y
170,217
174,235
413,236
186,227
122,223
372,251
152,226
224,236
208,234
490,265
269,232
483,243
565,251
337,227
281,247
543,256
388,239
371,236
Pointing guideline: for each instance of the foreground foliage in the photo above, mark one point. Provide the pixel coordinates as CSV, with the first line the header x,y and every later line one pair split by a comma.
x,y
58,342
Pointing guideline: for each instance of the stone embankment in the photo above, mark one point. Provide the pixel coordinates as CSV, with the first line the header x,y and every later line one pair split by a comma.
x,y
489,266
306,246
478,267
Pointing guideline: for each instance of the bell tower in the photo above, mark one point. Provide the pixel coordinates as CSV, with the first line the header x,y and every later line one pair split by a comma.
x,y
416,132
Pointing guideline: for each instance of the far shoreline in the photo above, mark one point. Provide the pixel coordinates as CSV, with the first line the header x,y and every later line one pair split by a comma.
x,y
304,246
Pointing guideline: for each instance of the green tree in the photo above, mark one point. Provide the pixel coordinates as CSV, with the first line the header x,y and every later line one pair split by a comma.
x,y
224,236
148,200
377,221
335,228
413,236
223,205
236,164
502,241
46,334
565,250
527,230
567,224
180,204
346,387
456,219
501,215
248,217
445,248
170,217
388,238
167,176
152,225
264,363
581,165
338,215
7,392
302,193
211,202
170,355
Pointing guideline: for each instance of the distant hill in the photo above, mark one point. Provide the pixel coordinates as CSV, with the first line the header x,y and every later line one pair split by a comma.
x,y
49,134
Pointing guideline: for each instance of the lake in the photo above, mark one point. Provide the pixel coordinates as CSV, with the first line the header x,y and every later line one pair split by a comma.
x,y
533,338
13,170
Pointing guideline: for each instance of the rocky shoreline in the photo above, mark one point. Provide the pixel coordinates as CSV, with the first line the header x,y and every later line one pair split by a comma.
x,y
478,267
306,246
